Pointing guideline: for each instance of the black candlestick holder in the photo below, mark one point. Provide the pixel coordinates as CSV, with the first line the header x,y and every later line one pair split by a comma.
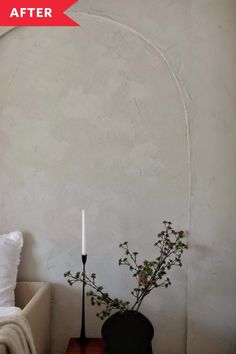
x,y
83,338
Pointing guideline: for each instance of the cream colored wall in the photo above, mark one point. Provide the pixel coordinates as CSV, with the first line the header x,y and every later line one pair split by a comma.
x,y
130,116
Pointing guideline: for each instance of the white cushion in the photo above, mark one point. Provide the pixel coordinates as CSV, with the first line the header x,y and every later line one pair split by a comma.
x,y
10,311
10,249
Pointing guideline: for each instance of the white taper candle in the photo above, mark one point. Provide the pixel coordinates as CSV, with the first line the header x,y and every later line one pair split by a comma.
x,y
83,234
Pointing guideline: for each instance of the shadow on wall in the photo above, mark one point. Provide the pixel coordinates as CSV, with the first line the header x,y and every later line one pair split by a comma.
x,y
28,257
207,340
66,315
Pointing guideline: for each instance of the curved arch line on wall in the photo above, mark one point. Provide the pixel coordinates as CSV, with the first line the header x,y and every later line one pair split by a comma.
x,y
173,74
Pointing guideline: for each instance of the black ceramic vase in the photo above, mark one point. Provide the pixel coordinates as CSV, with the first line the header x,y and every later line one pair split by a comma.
x,y
129,332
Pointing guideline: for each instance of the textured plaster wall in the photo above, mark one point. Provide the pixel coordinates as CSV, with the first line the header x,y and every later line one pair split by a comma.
x,y
212,260
132,117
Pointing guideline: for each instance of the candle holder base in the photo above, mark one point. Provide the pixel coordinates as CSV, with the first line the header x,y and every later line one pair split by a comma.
x,y
83,338
83,341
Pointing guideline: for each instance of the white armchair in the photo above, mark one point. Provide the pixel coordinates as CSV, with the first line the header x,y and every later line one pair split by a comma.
x,y
35,300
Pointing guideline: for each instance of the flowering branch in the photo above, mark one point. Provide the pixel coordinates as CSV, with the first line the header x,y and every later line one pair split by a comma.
x,y
148,274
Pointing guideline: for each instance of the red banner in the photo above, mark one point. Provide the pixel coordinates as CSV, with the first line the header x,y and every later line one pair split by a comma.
x,y
35,13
